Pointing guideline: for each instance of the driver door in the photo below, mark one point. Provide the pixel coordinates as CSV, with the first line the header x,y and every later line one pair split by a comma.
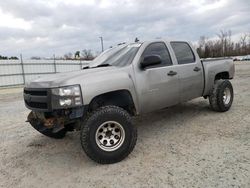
x,y
158,84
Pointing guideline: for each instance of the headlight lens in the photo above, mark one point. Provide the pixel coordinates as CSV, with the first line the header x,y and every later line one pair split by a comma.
x,y
69,91
69,96
65,102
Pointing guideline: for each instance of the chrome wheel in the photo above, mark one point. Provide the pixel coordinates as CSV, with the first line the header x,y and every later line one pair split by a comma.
x,y
226,96
110,136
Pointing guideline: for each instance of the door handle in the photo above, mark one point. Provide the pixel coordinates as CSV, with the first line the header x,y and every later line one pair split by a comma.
x,y
196,69
172,73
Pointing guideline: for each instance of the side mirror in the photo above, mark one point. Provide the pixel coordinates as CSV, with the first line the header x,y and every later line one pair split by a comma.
x,y
150,60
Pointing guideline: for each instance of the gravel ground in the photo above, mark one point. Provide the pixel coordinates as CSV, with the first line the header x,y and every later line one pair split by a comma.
x,y
184,146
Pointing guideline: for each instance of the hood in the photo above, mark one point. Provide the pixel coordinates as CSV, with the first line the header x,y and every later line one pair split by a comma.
x,y
69,78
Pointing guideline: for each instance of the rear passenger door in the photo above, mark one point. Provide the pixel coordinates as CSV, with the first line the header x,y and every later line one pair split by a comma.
x,y
189,70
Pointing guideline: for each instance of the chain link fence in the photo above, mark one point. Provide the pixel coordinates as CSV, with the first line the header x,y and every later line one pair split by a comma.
x,y
18,72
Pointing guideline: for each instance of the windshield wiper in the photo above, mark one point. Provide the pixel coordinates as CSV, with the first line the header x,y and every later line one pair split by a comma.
x,y
104,65
101,65
86,67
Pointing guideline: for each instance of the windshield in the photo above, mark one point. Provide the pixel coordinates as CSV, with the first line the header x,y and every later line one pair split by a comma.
x,y
118,56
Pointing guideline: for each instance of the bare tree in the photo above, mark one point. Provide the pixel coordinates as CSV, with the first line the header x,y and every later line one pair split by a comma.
x,y
35,58
223,46
68,56
202,41
202,44
248,41
223,36
243,42
87,54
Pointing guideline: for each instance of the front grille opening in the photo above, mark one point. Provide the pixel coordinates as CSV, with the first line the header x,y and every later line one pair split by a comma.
x,y
37,105
34,98
36,93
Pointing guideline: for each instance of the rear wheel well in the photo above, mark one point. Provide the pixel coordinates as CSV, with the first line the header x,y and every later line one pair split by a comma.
x,y
121,98
222,75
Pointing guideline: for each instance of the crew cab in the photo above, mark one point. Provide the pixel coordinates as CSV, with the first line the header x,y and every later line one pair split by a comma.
x,y
125,81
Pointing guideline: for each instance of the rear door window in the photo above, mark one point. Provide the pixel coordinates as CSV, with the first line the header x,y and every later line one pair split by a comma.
x,y
183,52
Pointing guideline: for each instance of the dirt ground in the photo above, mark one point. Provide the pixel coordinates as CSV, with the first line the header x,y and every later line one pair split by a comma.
x,y
184,146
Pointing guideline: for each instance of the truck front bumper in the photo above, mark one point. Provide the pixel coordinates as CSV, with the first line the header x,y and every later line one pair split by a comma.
x,y
57,120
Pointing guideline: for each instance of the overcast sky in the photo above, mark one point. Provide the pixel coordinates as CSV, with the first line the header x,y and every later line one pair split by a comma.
x,y
47,27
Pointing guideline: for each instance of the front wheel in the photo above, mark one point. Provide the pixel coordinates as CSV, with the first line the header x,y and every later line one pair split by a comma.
x,y
222,96
107,135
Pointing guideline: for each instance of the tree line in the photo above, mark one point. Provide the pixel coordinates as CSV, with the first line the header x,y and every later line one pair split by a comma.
x,y
6,57
223,46
85,54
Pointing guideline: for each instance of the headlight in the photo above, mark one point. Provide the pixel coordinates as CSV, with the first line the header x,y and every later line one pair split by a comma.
x,y
69,96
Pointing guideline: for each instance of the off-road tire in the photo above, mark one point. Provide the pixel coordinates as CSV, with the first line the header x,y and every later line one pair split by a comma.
x,y
92,123
216,97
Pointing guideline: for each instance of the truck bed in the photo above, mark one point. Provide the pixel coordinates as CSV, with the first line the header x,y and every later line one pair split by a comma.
x,y
212,67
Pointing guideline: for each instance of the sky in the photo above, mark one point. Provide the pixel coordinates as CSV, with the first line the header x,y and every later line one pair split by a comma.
x,y
46,27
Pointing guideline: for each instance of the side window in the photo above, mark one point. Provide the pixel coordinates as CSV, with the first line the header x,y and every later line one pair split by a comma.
x,y
183,52
158,48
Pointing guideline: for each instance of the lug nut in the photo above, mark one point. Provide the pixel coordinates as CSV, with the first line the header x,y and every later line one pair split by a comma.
x,y
100,137
117,137
111,141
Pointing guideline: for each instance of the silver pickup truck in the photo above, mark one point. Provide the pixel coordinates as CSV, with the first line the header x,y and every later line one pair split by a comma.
x,y
122,82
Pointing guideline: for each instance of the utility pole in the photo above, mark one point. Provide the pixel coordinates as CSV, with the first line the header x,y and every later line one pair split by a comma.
x,y
101,42
22,66
54,62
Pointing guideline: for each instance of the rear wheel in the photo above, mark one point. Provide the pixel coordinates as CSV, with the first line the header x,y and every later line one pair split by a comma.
x,y
107,135
222,96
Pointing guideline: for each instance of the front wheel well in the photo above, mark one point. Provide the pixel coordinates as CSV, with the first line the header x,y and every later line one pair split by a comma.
x,y
120,98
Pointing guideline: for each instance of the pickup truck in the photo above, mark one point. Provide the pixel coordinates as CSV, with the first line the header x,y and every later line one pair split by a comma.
x,y
124,81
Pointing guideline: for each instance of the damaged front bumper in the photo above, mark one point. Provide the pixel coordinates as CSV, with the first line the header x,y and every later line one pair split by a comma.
x,y
68,119
47,115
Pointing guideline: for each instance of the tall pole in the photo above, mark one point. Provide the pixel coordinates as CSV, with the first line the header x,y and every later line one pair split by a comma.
x,y
23,73
54,62
101,42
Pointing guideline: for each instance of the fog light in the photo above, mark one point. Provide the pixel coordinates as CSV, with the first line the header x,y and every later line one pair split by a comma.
x,y
65,102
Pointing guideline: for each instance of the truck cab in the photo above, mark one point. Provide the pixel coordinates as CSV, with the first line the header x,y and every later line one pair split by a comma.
x,y
178,78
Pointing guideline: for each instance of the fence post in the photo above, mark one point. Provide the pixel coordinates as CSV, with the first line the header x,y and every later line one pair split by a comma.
x,y
54,63
80,64
22,66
